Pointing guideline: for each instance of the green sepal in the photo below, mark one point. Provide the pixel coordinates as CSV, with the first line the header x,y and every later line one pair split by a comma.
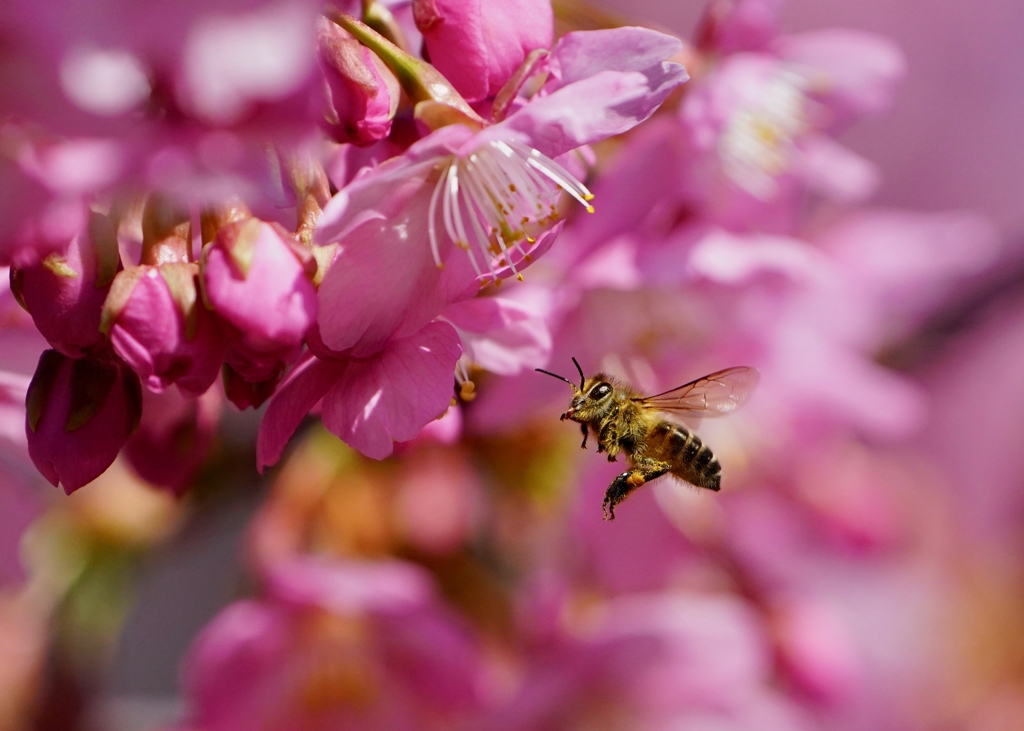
x,y
507,94
420,81
324,256
91,381
166,232
377,16
120,290
180,279
239,241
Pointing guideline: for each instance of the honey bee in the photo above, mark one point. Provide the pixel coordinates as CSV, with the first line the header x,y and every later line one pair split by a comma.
x,y
626,421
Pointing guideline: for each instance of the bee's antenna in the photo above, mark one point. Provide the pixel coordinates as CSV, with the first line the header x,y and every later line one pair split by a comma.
x,y
583,378
555,375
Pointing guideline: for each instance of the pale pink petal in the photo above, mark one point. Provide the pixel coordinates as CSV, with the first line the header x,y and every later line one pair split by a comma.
x,y
305,385
445,430
394,394
728,258
582,54
592,109
501,335
906,260
381,191
232,62
834,171
854,71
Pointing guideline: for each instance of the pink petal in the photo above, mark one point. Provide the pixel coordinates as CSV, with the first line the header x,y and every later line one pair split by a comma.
x,y
393,395
379,192
301,390
384,282
272,305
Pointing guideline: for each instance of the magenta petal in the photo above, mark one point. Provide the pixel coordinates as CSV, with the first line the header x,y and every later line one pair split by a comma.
x,y
151,335
174,437
393,395
75,456
272,304
590,110
65,303
301,390
479,45
242,648
583,54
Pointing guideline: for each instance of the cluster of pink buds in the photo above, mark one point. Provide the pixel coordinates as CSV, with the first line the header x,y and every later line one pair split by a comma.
x,y
334,273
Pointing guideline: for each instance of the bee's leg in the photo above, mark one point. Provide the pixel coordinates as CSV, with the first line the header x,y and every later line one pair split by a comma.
x,y
583,428
623,485
607,441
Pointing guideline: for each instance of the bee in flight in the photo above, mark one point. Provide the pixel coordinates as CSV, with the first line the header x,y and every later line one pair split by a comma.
x,y
626,421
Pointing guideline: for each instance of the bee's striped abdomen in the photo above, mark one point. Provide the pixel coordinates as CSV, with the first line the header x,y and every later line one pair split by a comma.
x,y
690,458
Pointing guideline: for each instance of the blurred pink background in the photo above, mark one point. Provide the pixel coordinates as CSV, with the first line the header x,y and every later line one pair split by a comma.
x,y
953,138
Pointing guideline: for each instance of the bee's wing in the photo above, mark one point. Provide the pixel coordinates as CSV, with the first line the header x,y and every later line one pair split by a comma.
x,y
718,394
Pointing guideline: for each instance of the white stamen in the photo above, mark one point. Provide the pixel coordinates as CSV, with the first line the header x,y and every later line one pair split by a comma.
x,y
509,192
757,145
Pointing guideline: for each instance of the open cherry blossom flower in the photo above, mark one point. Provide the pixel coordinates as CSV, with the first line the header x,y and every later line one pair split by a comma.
x,y
466,205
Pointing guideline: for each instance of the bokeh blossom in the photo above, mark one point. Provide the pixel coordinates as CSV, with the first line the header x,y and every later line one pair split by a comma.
x,y
334,243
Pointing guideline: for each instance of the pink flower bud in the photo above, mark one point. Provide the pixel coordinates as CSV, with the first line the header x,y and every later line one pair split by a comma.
x,y
79,415
256,277
479,45
245,392
160,329
64,290
174,437
362,93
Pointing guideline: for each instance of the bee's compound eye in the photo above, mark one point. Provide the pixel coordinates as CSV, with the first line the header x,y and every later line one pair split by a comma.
x,y
600,391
